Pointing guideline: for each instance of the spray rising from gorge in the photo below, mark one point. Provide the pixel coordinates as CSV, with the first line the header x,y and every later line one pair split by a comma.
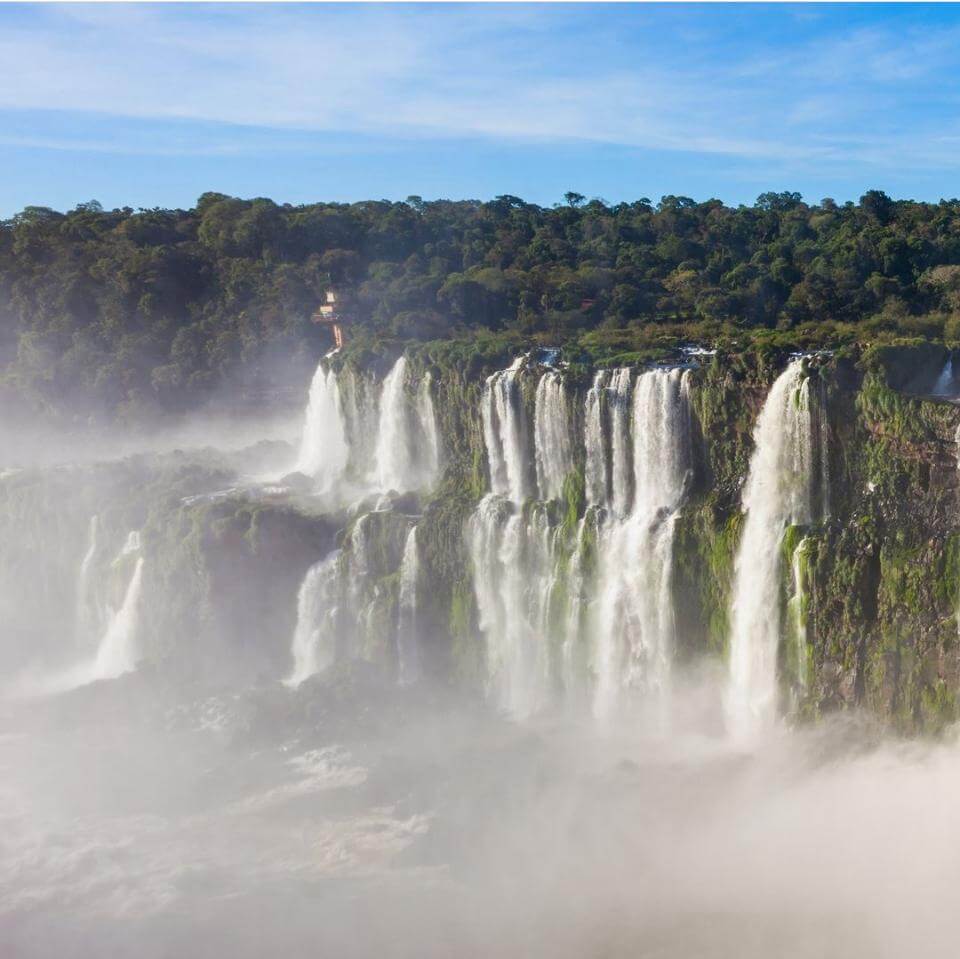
x,y
496,635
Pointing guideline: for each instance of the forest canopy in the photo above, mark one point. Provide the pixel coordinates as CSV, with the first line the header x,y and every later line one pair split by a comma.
x,y
155,309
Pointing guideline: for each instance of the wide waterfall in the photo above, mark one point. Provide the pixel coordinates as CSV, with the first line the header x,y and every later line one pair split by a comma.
x,y
779,492
408,645
324,450
634,615
344,411
548,621
314,644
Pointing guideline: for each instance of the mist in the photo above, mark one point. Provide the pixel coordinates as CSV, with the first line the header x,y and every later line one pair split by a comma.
x,y
219,827
233,724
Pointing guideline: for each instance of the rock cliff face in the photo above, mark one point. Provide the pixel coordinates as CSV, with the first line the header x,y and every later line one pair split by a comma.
x,y
578,545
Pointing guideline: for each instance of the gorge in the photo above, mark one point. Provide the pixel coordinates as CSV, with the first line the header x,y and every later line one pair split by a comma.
x,y
609,581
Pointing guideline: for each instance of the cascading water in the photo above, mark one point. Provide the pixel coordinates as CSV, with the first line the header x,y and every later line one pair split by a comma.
x,y
945,385
553,432
394,456
118,653
408,647
635,616
314,644
619,410
513,564
778,493
797,616
428,427
505,433
595,441
324,451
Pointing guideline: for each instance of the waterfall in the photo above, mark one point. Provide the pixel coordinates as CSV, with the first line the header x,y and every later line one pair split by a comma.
x,y
552,435
505,433
513,563
778,493
797,615
117,653
324,450
314,646
87,613
945,385
407,454
635,614
619,409
426,415
394,456
408,648
595,437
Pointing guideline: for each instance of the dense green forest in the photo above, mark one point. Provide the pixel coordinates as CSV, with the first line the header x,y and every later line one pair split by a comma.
x,y
136,311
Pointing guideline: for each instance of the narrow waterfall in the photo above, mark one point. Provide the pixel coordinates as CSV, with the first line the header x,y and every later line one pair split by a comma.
x,y
505,433
553,431
408,647
314,644
778,493
513,562
118,653
324,450
945,385
635,613
595,441
574,653
394,456
619,407
797,616
430,455
87,613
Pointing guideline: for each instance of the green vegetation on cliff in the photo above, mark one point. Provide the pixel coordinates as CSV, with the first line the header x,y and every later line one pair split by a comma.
x,y
130,312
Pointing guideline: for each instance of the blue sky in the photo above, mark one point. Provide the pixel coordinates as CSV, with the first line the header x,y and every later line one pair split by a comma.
x,y
151,105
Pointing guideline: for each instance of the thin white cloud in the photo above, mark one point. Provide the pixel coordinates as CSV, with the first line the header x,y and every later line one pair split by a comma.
x,y
513,73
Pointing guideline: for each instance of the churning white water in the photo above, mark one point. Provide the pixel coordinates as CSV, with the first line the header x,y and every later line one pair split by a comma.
x,y
324,450
408,645
505,433
635,614
778,493
314,645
